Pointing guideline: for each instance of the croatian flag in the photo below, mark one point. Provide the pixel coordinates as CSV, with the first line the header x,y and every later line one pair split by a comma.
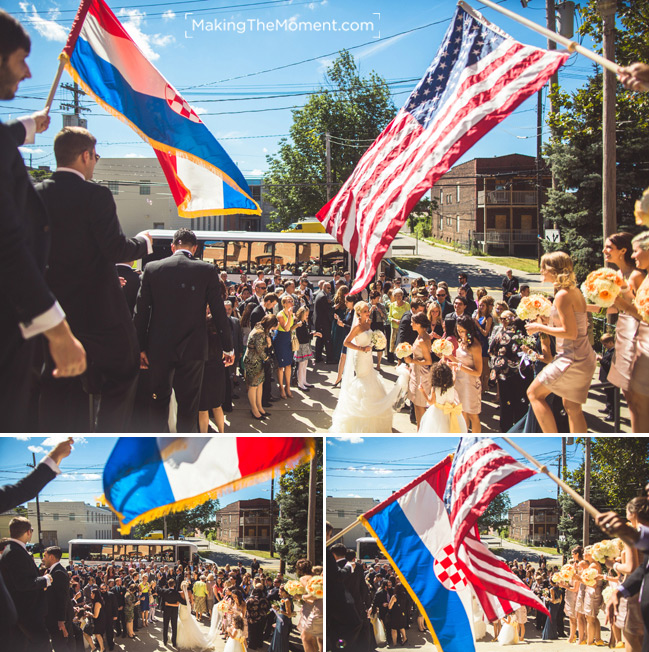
x,y
413,530
478,77
104,60
148,477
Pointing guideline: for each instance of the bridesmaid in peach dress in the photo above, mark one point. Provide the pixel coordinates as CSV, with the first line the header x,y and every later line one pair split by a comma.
x,y
570,373
618,251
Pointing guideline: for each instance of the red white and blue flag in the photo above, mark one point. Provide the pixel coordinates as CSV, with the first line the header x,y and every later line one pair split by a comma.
x,y
105,61
478,77
412,529
480,471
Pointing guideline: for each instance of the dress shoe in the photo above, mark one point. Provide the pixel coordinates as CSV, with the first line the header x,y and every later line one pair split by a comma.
x,y
235,396
259,418
266,404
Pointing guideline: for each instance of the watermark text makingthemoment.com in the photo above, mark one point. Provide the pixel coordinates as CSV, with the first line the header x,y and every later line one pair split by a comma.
x,y
284,25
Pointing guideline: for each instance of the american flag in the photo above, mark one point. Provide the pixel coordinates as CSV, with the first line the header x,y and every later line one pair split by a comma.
x,y
480,471
478,77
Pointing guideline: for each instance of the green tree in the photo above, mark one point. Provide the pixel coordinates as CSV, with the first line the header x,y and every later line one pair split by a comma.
x,y
354,110
40,175
496,515
293,500
575,153
201,518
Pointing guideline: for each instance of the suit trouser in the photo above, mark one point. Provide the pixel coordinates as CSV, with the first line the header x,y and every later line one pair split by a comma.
x,y
256,634
18,379
120,627
113,366
27,640
323,342
110,633
170,616
61,643
267,390
185,378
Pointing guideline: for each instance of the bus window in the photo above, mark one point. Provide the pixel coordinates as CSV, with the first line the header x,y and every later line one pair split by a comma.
x,y
367,548
307,255
214,252
285,255
333,259
237,257
183,554
261,254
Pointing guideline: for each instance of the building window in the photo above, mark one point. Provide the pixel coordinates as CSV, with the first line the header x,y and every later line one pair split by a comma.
x,y
72,516
341,513
441,222
457,222
457,193
449,220
449,198
158,225
145,186
113,186
55,517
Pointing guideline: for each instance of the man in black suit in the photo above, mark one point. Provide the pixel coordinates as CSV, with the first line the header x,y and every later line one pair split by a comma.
x,y
29,308
509,284
87,241
172,329
406,332
27,589
59,606
129,279
171,599
515,299
111,607
323,316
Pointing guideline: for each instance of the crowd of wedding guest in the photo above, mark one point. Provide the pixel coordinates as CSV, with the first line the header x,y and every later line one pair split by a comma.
x,y
93,605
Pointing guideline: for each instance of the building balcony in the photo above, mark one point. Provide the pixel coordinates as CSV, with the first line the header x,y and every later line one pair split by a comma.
x,y
515,236
254,520
507,197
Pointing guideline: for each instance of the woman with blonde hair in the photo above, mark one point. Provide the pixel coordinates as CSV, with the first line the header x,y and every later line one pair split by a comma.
x,y
286,324
569,375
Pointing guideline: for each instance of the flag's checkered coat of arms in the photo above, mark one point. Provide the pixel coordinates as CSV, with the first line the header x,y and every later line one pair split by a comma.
x,y
446,569
179,105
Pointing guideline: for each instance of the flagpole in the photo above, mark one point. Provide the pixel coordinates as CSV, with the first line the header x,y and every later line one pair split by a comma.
x,y
343,532
55,84
571,46
544,469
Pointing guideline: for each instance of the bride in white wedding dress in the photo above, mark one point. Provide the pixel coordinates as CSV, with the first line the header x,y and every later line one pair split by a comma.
x,y
366,400
190,636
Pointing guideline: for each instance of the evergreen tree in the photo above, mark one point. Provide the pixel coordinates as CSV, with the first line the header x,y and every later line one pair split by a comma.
x,y
201,518
293,500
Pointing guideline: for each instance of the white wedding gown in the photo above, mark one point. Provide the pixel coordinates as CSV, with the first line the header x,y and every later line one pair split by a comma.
x,y
366,400
445,416
190,636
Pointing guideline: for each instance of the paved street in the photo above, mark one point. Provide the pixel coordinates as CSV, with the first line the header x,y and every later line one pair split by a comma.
x,y
223,555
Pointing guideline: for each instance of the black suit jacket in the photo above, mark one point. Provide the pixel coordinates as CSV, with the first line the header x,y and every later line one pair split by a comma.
x,y
87,241
170,596
12,495
406,332
59,604
25,586
257,315
170,310
323,312
24,225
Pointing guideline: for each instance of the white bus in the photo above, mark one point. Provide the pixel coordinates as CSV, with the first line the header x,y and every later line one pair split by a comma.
x,y
103,551
245,252
367,549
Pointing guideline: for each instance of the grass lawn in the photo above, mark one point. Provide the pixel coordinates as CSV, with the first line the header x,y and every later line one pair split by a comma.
x,y
262,554
528,265
544,550
407,262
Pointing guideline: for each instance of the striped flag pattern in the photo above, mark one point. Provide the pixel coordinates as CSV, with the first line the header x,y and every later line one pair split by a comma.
x,y
480,471
478,77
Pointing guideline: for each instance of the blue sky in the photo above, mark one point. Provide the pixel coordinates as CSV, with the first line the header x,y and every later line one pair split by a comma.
x,y
218,70
81,472
375,467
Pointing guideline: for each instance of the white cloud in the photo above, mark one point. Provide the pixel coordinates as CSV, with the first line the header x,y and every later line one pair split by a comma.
x,y
378,47
256,172
134,155
378,471
168,15
232,135
27,150
48,28
91,476
198,110
67,476
353,496
352,439
35,449
23,437
325,64
135,20
264,150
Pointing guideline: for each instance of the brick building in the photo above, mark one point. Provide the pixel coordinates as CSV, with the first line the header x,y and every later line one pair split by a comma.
x,y
246,523
501,190
535,521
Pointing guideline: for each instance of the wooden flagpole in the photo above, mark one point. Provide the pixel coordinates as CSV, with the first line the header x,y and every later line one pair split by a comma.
x,y
343,532
571,46
544,469
55,84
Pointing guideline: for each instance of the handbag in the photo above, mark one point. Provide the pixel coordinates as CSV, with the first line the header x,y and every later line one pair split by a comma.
x,y
295,344
379,631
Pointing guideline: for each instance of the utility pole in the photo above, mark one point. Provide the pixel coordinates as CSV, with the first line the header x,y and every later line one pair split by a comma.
x,y
328,158
606,10
539,162
586,535
164,527
75,106
38,510
310,535
272,534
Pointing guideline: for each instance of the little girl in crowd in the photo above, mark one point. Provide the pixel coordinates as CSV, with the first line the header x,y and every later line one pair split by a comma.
x,y
304,352
236,642
445,411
